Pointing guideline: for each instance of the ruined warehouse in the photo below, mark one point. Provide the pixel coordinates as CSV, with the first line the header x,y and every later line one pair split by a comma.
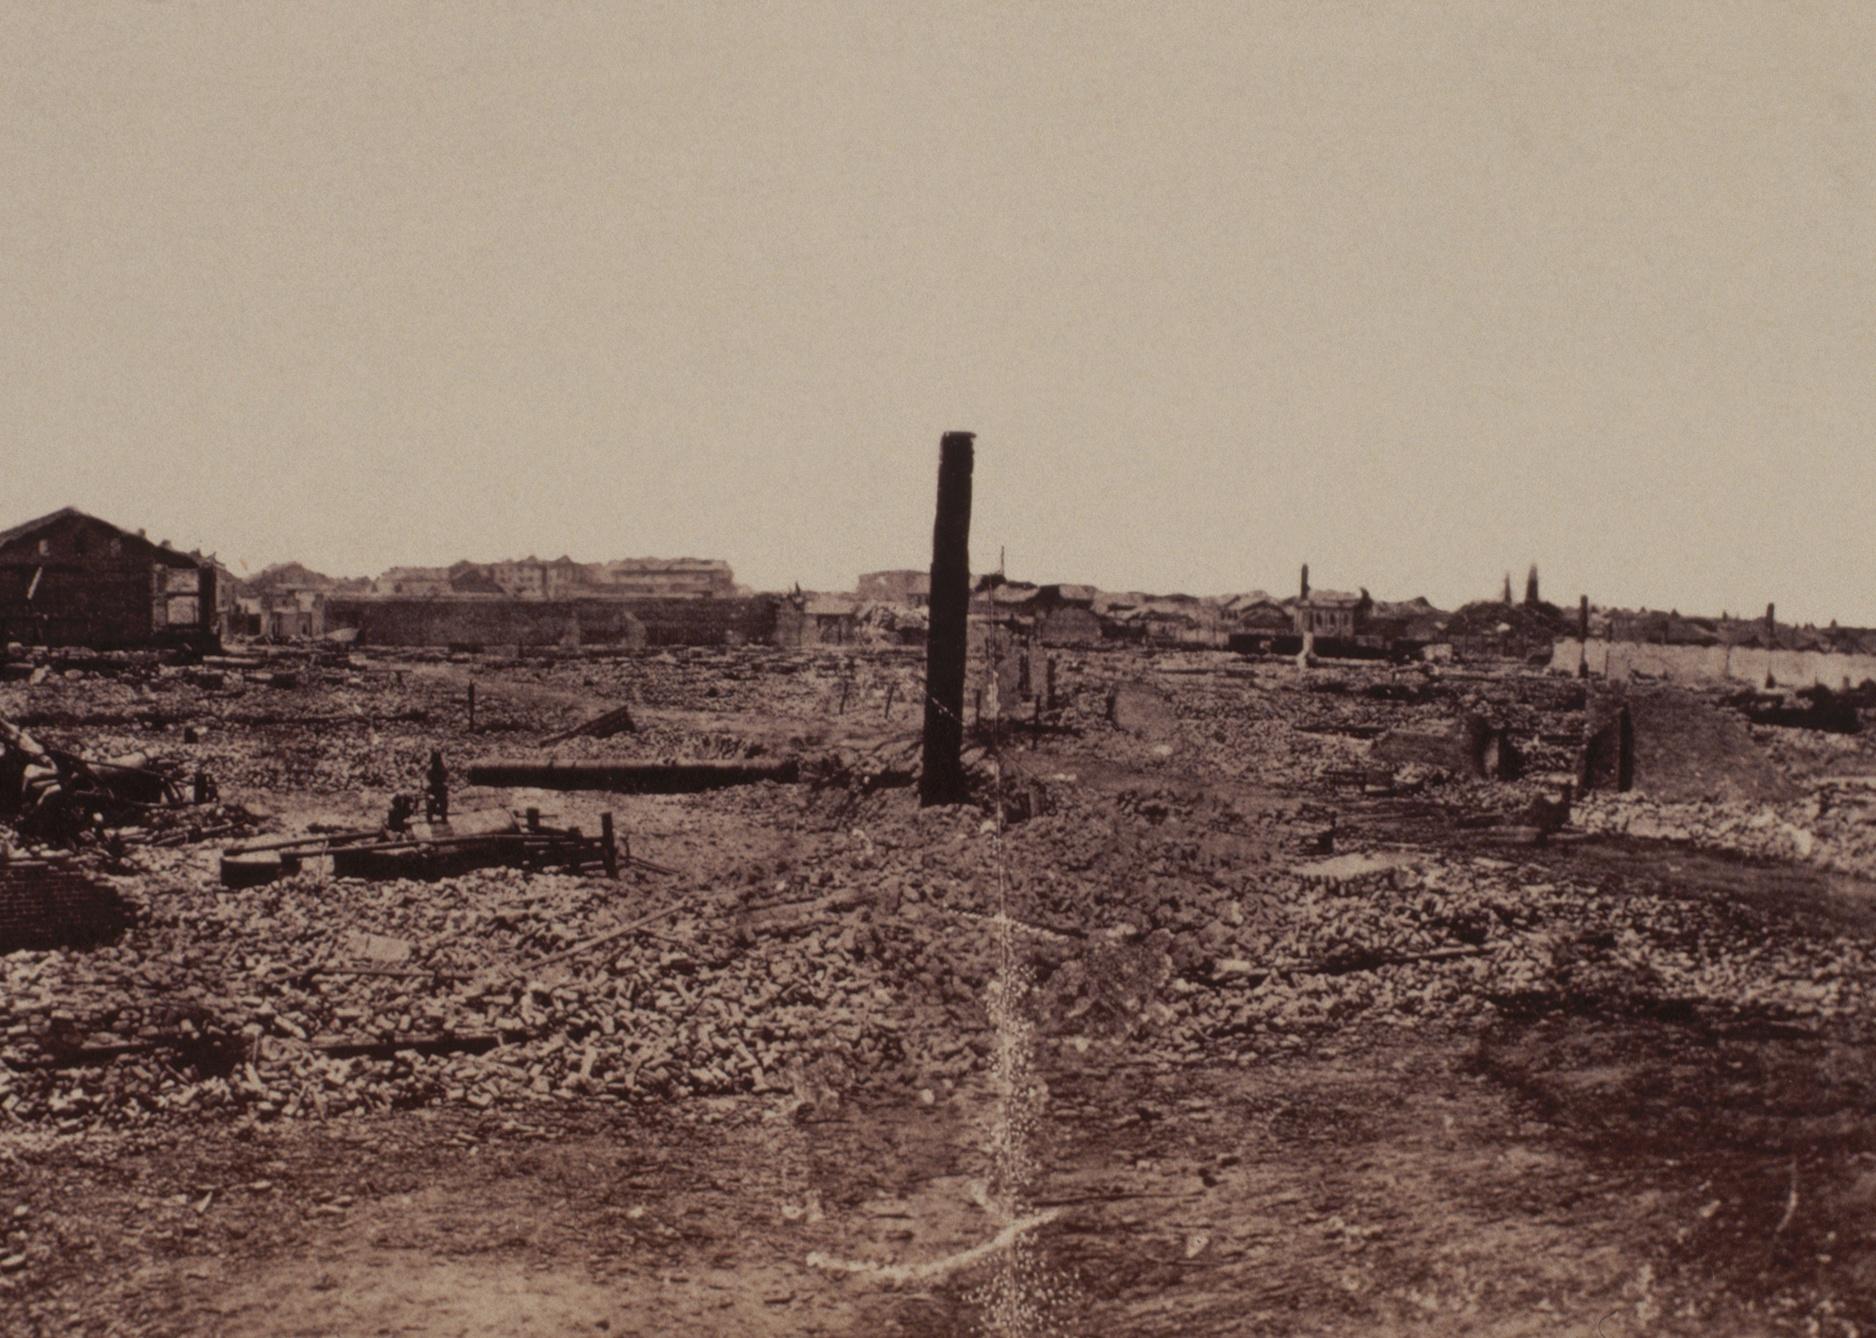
x,y
69,579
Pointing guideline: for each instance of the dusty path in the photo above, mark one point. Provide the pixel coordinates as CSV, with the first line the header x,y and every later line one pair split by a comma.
x,y
1415,1187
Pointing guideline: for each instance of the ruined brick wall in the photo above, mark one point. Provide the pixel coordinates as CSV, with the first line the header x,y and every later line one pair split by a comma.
x,y
1681,747
707,622
553,622
1070,626
416,621
1468,746
52,906
73,606
792,630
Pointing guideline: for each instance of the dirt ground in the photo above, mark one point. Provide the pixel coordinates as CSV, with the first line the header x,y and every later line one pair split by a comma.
x,y
1663,1126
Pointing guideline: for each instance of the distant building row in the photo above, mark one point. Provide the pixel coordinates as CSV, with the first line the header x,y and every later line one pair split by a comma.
x,y
68,578
563,578
1068,614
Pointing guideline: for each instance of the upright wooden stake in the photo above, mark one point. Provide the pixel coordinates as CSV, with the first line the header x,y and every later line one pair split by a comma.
x,y
608,849
1771,643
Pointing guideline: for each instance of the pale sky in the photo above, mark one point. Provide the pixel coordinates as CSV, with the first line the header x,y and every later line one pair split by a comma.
x,y
1418,293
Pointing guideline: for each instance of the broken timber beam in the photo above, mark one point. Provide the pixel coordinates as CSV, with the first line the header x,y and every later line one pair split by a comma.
x,y
433,852
617,721
631,777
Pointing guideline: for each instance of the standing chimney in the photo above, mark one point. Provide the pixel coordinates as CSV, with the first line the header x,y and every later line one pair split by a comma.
x,y
1305,595
942,779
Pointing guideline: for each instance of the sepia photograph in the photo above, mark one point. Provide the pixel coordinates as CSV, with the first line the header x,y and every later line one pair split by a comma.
x,y
944,668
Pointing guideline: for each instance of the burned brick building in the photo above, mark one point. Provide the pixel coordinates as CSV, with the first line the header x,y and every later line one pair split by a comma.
x,y
69,579
1334,614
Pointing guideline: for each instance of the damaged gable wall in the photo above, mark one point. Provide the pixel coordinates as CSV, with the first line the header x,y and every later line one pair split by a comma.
x,y
74,580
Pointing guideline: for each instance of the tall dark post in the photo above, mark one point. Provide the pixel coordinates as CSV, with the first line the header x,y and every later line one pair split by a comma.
x,y
608,847
436,789
1582,637
1771,644
942,780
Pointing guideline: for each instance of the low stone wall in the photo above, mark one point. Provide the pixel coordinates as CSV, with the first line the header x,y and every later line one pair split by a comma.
x,y
1713,664
491,621
706,622
1469,746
